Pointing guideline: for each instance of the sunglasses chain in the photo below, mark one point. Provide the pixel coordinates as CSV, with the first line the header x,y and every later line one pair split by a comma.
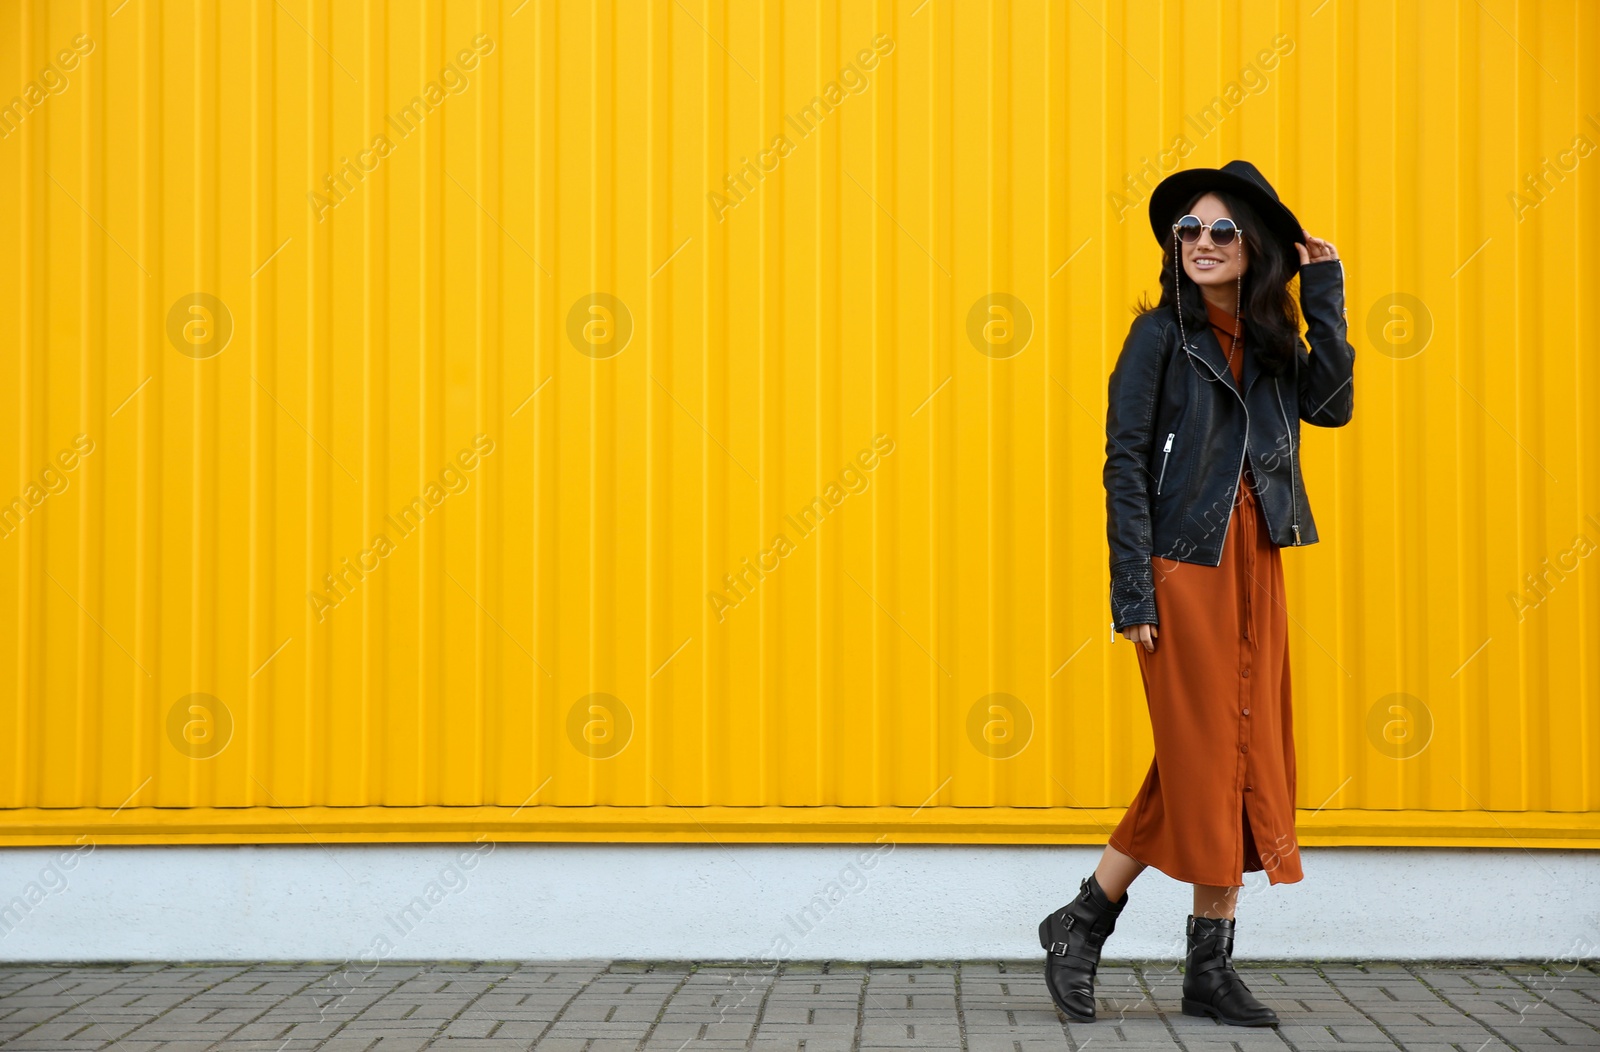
x,y
1177,296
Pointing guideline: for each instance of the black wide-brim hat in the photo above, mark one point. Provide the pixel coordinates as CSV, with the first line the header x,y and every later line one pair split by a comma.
x,y
1173,194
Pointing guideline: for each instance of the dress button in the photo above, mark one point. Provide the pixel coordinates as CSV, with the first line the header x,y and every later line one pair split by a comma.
x,y
1247,788
1247,711
1243,747
1246,673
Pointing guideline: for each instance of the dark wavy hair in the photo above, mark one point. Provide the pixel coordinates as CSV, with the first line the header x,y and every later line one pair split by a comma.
x,y
1273,315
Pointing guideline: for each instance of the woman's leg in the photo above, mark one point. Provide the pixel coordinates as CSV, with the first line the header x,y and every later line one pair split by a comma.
x,y
1214,900
1211,986
1073,935
1116,871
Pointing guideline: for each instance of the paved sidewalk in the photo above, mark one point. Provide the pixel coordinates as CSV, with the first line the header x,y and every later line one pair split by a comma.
x,y
803,1007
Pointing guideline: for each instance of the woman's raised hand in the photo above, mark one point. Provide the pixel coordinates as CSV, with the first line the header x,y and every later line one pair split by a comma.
x,y
1315,250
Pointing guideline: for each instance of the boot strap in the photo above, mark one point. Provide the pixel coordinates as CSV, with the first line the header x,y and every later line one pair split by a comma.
x,y
1062,949
1220,961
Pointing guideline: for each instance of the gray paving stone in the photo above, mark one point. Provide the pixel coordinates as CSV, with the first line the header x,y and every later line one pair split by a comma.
x,y
979,1006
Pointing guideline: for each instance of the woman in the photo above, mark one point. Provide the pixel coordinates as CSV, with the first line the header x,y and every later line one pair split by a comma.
x,y
1203,487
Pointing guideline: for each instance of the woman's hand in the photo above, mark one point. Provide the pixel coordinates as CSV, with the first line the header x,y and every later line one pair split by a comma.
x,y
1315,250
1145,634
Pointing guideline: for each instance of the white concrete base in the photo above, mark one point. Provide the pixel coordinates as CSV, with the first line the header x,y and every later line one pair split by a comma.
x,y
755,902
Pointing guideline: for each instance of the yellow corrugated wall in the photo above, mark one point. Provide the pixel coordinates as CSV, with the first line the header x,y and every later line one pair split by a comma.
x,y
579,307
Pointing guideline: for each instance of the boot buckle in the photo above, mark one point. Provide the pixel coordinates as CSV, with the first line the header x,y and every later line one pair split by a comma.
x,y
1058,949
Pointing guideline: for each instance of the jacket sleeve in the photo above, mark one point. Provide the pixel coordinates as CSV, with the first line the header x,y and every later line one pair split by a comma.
x,y
1130,416
1327,372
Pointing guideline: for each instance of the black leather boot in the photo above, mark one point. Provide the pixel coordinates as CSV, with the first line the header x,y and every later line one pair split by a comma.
x,y
1072,937
1210,985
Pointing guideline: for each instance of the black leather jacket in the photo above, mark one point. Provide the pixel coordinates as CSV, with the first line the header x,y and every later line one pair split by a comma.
x,y
1179,430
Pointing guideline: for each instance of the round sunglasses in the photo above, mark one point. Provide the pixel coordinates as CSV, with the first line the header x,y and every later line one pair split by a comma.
x,y
1223,231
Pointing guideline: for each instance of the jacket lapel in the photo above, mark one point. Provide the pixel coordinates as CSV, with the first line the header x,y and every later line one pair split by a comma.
x,y
1208,347
1205,346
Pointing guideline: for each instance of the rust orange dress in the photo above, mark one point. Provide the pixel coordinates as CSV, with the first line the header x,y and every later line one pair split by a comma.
x,y
1218,801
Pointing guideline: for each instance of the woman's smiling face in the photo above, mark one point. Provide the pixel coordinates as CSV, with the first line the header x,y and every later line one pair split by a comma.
x,y
1205,261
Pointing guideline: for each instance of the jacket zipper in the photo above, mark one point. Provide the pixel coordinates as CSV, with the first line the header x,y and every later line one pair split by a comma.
x,y
1294,493
1228,524
1166,455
